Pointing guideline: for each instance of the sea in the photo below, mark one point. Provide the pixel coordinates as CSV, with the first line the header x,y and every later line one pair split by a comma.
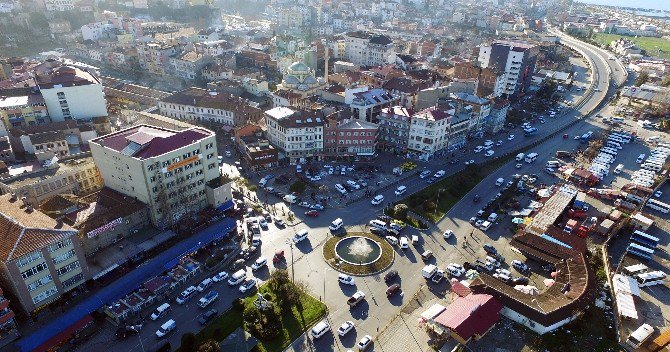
x,y
659,5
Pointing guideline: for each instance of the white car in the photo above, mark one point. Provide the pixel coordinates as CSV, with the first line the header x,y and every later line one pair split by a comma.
x,y
345,327
439,174
353,184
518,166
469,162
658,194
364,343
424,174
400,190
448,234
346,279
489,153
222,276
377,200
510,137
499,143
478,149
259,263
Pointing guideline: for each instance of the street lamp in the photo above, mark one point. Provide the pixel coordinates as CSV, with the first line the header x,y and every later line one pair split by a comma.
x,y
438,201
324,283
290,244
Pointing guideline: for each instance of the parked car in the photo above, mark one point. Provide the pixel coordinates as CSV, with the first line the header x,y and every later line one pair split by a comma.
x,y
247,286
390,275
313,213
205,317
520,266
490,249
447,234
364,343
346,279
345,327
391,290
426,255
222,276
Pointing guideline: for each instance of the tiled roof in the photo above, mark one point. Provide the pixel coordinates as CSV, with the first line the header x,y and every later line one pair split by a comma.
x,y
201,98
103,207
66,76
157,141
471,315
289,118
24,232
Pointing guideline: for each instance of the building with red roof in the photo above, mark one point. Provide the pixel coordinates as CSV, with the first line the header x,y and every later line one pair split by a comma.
x,y
469,317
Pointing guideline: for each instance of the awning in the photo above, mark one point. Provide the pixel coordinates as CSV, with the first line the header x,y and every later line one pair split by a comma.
x,y
64,335
625,305
225,206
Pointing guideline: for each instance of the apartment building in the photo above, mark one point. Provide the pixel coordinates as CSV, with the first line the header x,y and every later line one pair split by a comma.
x,y
346,136
71,93
74,175
429,130
516,59
368,49
257,152
297,133
155,57
197,104
166,169
189,65
42,258
8,326
368,103
23,110
491,81
394,126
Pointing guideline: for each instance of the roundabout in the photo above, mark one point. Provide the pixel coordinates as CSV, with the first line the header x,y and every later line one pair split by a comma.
x,y
358,253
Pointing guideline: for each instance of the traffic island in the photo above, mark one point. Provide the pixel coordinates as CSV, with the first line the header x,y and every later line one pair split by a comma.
x,y
358,253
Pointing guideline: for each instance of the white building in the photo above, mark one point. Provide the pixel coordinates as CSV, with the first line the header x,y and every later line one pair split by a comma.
x,y
71,93
368,49
429,130
166,169
298,134
96,31
516,59
59,5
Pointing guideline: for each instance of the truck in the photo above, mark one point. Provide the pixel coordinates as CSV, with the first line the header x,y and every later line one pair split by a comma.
x,y
428,271
207,299
356,298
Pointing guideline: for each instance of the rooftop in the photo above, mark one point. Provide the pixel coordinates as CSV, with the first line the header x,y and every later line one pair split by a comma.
x,y
289,118
101,208
145,141
214,100
24,230
31,173
65,76
471,315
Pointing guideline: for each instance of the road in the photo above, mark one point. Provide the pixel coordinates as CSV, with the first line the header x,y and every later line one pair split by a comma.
x,y
376,311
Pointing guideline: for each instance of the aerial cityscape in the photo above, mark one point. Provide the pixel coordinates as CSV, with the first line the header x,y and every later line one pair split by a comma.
x,y
334,175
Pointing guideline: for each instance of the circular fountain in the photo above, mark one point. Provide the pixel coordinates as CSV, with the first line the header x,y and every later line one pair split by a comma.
x,y
358,250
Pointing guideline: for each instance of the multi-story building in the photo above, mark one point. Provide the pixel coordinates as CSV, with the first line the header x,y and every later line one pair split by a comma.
x,y
429,130
8,326
298,133
23,110
368,103
188,65
74,175
394,126
155,57
478,108
59,5
166,169
42,258
491,81
71,93
368,49
257,152
197,104
345,136
6,151
516,59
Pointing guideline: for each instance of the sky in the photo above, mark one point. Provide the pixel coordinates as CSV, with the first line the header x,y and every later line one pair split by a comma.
x,y
647,4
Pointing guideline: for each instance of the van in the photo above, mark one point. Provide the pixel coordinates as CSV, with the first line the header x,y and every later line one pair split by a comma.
x,y
320,329
639,336
378,224
618,169
301,235
237,278
500,181
378,199
492,217
185,295
340,188
160,311
336,224
404,242
166,328
400,190
553,163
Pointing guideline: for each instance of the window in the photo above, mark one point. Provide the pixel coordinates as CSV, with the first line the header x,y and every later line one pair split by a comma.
x,y
44,295
34,270
63,257
211,166
73,280
40,282
28,258
58,245
66,269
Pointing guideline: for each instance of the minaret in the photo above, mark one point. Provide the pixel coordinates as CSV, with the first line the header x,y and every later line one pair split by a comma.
x,y
325,71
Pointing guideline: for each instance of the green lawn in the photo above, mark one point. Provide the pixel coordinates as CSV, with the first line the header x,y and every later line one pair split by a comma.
x,y
294,324
649,44
450,190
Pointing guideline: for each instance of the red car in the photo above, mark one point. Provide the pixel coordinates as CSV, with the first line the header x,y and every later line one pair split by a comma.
x,y
312,213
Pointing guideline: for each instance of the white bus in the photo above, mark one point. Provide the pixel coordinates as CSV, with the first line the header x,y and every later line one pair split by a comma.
x,y
624,136
637,338
658,205
530,157
650,279
635,269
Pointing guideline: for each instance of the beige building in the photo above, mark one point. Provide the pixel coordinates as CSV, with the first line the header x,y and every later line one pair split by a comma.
x,y
76,175
41,258
166,169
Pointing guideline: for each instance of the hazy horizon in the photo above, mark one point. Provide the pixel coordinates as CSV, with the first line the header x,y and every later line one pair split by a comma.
x,y
645,4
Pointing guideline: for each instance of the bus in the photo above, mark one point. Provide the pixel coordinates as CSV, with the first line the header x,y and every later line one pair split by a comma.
x,y
640,251
650,279
623,136
639,336
645,239
658,205
636,269
530,157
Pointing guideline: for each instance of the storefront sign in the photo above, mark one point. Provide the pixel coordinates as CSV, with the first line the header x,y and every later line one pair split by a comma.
x,y
106,227
183,162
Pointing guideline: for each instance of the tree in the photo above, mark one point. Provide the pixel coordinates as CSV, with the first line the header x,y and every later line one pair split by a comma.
x,y
642,78
209,346
286,293
400,211
188,342
666,81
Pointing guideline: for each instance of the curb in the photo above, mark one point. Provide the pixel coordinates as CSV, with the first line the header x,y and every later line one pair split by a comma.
x,y
357,275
